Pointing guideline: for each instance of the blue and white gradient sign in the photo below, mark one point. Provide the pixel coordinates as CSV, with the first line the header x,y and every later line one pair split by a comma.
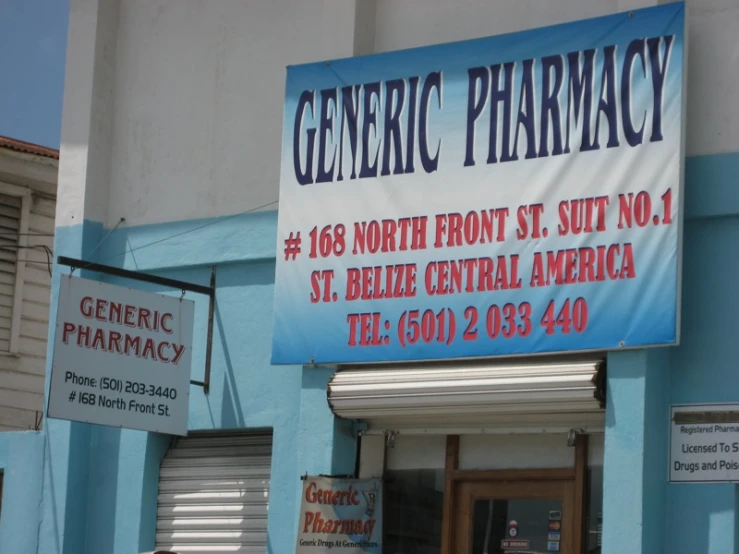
x,y
510,195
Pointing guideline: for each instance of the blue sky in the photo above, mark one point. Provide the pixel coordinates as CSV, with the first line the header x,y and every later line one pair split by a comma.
x,y
33,44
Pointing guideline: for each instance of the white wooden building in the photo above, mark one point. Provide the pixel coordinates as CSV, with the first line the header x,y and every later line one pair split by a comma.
x,y
28,186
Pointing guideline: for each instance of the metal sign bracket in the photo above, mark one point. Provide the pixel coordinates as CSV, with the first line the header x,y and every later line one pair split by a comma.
x,y
209,291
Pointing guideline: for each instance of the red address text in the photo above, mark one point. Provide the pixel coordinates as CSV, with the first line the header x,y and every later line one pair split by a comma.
x,y
561,267
445,325
574,217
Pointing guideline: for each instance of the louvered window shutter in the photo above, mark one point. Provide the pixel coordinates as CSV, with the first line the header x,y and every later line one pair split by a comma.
x,y
10,222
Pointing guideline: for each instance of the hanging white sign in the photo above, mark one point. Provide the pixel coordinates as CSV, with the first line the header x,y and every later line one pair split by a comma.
x,y
122,357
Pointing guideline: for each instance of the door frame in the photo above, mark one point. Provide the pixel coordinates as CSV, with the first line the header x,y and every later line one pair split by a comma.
x,y
573,478
468,491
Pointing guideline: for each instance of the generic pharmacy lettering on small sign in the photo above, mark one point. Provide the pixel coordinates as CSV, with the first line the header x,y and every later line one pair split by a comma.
x,y
704,443
122,357
341,516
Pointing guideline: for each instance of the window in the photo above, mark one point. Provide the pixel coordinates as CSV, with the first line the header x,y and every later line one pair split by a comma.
x,y
14,215
414,508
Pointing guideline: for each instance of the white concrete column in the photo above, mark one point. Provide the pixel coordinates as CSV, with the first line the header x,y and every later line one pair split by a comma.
x,y
89,93
81,206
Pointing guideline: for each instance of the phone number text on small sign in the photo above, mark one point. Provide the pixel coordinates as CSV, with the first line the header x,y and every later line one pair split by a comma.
x,y
122,357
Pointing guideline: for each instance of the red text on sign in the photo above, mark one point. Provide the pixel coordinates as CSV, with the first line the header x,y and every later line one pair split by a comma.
x,y
638,209
318,277
484,227
122,343
115,342
390,235
328,241
529,222
572,316
125,314
376,283
583,265
314,495
584,215
364,330
472,275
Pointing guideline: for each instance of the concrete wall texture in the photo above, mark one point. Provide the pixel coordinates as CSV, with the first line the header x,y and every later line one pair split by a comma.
x,y
172,118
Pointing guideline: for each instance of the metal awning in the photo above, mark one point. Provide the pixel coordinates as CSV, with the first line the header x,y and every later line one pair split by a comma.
x,y
519,396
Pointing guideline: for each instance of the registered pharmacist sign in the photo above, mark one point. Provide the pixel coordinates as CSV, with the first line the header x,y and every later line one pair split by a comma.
x,y
704,443
516,194
122,357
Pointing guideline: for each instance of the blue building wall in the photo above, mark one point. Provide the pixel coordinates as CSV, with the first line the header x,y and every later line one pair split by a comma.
x,y
703,518
21,461
77,488
104,481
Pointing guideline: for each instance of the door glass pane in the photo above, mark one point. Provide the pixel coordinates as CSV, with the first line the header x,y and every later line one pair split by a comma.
x,y
516,525
595,514
414,502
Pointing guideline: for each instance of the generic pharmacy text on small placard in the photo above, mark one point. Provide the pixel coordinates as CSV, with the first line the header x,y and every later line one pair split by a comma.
x,y
704,443
510,195
122,357
340,516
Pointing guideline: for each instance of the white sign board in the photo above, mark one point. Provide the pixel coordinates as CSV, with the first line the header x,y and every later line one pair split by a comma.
x,y
704,443
340,516
122,357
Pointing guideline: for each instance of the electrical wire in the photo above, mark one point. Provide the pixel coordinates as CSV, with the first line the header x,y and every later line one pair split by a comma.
x,y
121,220
40,265
15,247
29,234
175,235
50,254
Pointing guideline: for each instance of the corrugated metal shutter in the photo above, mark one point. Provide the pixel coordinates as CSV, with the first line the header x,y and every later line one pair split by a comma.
x,y
10,222
508,395
213,494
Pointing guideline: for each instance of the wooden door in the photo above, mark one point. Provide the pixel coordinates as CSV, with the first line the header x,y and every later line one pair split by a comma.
x,y
502,516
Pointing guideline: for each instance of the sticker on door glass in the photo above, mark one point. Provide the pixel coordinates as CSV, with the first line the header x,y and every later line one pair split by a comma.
x,y
513,528
517,544
553,546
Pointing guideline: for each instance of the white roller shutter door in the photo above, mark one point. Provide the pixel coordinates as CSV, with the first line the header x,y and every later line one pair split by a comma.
x,y
520,396
214,493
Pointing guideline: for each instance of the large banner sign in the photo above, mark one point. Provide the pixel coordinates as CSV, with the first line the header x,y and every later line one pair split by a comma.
x,y
340,516
517,194
122,357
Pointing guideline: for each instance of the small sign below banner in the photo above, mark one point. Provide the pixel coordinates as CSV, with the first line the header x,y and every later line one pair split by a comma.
x,y
340,516
122,357
515,544
704,443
